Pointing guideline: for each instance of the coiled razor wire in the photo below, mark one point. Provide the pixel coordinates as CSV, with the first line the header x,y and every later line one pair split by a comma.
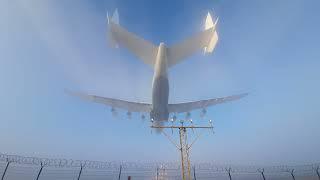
x,y
68,163
209,167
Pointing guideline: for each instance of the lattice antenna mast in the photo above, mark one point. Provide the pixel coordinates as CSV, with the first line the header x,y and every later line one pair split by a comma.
x,y
183,146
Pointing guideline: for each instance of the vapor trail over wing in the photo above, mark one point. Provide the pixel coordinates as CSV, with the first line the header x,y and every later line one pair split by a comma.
x,y
189,106
115,103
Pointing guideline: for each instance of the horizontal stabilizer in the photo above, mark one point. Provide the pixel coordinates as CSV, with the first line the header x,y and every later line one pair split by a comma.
x,y
141,48
189,106
115,103
205,40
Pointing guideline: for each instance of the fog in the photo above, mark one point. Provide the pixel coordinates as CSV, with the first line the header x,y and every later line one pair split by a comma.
x,y
269,49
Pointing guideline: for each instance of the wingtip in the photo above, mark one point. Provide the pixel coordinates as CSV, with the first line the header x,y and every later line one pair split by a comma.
x,y
243,94
78,94
240,96
71,93
67,91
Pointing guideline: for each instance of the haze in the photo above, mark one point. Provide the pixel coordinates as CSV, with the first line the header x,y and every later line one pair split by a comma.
x,y
267,48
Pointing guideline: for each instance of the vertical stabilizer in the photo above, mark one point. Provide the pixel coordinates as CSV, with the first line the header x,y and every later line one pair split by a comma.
x,y
209,22
115,17
113,20
214,39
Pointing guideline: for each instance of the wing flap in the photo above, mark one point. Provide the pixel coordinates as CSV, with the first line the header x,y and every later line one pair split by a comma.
x,y
189,106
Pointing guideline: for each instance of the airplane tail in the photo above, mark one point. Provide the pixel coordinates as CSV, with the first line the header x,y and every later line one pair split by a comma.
x,y
147,52
206,40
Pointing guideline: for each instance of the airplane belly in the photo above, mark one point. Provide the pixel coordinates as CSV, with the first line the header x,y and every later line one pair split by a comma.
x,y
160,97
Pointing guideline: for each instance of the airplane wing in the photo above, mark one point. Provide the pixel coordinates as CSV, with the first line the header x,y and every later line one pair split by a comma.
x,y
115,103
205,40
143,49
189,106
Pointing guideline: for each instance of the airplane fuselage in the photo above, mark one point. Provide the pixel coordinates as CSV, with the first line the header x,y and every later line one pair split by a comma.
x,y
160,86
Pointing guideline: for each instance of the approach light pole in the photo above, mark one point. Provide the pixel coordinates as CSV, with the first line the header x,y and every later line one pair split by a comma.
x,y
183,146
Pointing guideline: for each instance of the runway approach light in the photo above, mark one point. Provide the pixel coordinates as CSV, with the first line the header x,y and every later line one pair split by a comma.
x,y
174,118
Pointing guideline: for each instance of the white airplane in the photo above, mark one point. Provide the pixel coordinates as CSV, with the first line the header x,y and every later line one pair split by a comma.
x,y
161,58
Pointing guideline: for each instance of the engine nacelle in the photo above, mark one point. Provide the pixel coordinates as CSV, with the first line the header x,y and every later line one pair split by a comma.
x,y
129,114
188,115
114,111
203,112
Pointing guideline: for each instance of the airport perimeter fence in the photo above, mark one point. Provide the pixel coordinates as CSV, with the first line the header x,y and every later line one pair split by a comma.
x,y
14,167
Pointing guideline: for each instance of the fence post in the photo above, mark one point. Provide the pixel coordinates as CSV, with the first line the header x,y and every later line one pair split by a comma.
x,y
292,173
5,170
157,172
42,165
317,171
262,173
80,172
194,173
120,172
229,172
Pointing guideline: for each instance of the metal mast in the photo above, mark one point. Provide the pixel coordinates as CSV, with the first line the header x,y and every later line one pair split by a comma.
x,y
184,151
184,146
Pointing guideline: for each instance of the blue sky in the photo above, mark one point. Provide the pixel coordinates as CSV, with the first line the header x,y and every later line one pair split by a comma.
x,y
267,48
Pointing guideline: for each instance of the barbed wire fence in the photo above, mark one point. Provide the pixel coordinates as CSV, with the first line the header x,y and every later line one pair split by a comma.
x,y
13,167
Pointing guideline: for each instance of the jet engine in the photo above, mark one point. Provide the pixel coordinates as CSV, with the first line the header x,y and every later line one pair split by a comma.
x,y
129,114
203,113
114,112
